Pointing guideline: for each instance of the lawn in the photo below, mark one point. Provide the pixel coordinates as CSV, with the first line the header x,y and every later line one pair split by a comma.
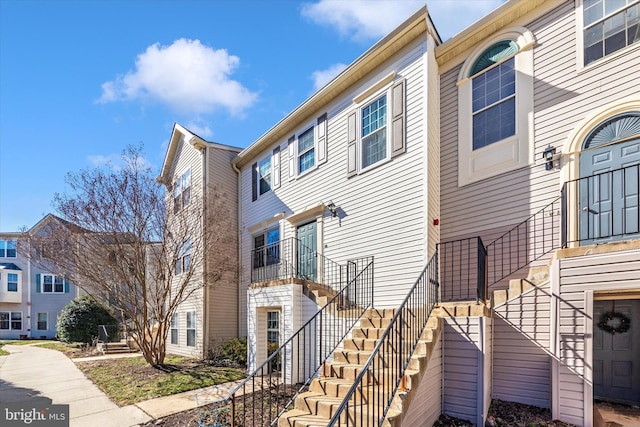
x,y
130,380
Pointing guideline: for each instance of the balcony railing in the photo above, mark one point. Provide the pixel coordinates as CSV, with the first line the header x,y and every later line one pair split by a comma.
x,y
270,389
289,258
607,205
463,270
369,399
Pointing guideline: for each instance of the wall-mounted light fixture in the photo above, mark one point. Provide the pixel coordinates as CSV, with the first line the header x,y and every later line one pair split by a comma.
x,y
333,209
547,155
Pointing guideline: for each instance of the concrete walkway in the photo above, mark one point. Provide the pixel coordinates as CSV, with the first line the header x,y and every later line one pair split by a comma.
x,y
33,374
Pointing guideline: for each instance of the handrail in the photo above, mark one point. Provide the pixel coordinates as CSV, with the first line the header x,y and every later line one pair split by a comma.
x,y
525,243
387,364
289,370
463,270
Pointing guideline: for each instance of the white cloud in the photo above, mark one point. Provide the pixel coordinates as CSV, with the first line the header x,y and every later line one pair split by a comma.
x,y
322,77
101,160
200,128
367,19
187,76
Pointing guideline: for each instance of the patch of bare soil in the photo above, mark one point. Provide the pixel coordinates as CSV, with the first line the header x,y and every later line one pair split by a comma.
x,y
254,409
508,414
501,414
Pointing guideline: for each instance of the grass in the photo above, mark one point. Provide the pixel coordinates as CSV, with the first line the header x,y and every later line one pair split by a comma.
x,y
130,380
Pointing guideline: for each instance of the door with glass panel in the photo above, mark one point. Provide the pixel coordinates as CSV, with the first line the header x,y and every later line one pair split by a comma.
x,y
307,247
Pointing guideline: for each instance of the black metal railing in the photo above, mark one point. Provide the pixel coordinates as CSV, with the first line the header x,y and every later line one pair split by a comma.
x,y
273,386
608,207
290,258
463,270
525,243
369,399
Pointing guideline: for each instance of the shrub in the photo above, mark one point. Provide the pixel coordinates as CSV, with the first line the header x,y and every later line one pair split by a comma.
x,y
236,350
79,320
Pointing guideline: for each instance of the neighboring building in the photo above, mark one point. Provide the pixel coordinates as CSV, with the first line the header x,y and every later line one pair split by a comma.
x,y
512,153
200,180
30,297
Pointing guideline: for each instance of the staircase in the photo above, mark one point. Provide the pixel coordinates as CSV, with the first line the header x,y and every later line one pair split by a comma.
x,y
119,347
327,393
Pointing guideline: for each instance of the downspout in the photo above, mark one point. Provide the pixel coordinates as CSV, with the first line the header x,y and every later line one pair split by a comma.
x,y
29,294
239,245
205,292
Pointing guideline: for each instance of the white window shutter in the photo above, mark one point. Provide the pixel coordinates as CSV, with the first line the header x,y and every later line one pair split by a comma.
x,y
275,162
292,157
398,119
321,140
352,146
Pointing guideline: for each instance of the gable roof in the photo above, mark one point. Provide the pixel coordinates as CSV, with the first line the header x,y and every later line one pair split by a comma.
x,y
416,25
9,266
177,133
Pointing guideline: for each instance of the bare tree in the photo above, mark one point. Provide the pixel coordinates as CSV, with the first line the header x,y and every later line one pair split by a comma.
x,y
117,241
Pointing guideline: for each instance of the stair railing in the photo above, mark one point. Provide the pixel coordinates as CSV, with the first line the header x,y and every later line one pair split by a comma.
x,y
273,386
369,399
525,243
463,270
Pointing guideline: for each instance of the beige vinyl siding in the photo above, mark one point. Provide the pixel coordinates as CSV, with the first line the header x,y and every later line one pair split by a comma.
x,y
579,278
467,374
187,157
222,302
426,405
564,95
382,212
521,358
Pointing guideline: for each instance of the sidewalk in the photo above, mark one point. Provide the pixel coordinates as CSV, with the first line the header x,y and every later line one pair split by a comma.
x,y
34,374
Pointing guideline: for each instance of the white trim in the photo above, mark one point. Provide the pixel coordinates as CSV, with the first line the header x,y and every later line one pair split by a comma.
x,y
510,153
588,360
38,320
386,92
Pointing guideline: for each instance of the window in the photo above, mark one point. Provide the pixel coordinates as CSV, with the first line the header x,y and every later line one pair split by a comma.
x,y
609,25
266,248
374,132
273,327
182,191
42,322
52,284
12,282
8,249
376,129
191,328
184,258
11,320
264,175
174,328
306,151
494,104
495,96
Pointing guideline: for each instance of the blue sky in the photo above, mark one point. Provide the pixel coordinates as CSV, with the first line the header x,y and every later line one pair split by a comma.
x,y
80,80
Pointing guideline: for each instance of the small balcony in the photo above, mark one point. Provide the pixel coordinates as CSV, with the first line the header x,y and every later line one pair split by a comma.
x,y
290,261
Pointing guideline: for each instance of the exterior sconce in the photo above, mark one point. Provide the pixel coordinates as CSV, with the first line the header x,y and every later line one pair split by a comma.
x,y
333,209
547,155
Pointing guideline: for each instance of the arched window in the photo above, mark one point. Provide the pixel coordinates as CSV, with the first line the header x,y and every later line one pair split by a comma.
x,y
495,107
618,128
494,94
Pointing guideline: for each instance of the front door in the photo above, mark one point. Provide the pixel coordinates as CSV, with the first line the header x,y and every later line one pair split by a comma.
x,y
307,247
616,350
609,192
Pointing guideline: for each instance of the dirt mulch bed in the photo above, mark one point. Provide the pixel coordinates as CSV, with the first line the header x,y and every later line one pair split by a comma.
x,y
508,414
501,414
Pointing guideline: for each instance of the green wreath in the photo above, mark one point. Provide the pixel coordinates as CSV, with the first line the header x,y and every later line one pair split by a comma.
x,y
620,327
